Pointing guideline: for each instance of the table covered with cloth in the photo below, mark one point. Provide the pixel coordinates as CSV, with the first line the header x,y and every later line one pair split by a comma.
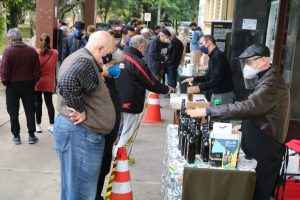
x,y
200,181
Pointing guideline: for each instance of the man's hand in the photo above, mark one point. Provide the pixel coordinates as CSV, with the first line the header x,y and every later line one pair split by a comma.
x,y
171,89
196,113
237,127
193,89
76,117
122,66
188,80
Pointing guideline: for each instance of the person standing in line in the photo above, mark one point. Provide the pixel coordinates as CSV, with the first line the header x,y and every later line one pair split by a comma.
x,y
175,52
132,84
46,85
195,47
155,54
20,70
74,40
86,115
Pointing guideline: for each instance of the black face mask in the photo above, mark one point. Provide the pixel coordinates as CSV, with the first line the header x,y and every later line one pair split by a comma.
x,y
106,59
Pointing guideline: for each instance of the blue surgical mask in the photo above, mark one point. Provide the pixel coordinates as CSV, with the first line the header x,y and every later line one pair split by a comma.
x,y
78,34
204,49
114,71
127,40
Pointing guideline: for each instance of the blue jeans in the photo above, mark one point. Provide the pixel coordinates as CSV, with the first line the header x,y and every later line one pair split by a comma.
x,y
80,153
172,75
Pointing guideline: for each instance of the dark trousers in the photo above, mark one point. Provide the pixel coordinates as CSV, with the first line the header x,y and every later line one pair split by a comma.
x,y
107,155
39,103
268,153
15,91
172,75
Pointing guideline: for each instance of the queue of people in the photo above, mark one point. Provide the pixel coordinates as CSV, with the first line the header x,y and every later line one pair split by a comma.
x,y
101,88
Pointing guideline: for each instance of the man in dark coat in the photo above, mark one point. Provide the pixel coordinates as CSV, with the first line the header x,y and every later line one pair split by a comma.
x,y
156,53
265,116
175,52
75,40
132,84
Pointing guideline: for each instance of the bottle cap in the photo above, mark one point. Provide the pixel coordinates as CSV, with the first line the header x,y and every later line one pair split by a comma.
x,y
217,102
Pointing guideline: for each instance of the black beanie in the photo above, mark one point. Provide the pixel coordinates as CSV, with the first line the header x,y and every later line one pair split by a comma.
x,y
166,32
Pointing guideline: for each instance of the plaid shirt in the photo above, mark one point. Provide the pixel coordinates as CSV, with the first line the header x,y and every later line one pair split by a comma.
x,y
78,79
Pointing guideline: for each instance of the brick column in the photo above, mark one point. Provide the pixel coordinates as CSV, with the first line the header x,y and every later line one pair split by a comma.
x,y
90,12
46,14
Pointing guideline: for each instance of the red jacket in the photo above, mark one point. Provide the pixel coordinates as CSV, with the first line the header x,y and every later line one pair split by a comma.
x,y
48,64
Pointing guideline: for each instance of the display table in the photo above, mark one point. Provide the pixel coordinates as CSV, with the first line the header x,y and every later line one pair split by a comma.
x,y
181,180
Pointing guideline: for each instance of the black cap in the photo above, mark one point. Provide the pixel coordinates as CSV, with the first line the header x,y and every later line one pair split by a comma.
x,y
166,32
255,50
79,25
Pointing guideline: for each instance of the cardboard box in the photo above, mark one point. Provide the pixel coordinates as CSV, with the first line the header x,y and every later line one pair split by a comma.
x,y
224,149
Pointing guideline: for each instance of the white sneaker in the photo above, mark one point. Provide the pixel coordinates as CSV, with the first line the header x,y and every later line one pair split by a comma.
x,y
50,128
38,128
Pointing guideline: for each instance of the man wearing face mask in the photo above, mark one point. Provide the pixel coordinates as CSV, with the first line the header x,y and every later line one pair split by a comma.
x,y
111,71
218,79
265,116
195,47
132,84
86,115
75,40
156,52
127,32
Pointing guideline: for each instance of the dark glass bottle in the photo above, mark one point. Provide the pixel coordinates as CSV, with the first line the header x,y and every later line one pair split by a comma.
x,y
183,138
198,137
205,145
191,150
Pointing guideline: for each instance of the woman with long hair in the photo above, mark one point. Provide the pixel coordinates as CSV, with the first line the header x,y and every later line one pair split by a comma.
x,y
46,84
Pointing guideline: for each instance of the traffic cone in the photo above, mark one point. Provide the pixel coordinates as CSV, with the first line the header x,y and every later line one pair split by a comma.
x,y
153,110
121,189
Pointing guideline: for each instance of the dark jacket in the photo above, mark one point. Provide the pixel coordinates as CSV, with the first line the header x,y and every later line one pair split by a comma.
x,y
175,52
20,62
219,77
72,44
153,56
268,106
134,80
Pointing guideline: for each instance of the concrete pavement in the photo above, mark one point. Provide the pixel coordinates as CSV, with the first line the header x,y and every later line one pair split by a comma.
x,y
31,172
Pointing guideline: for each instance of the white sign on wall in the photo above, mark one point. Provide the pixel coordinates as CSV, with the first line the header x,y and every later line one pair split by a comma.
x,y
249,24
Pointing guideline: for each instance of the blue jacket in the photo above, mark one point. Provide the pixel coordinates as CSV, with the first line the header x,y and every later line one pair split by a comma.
x,y
195,46
72,44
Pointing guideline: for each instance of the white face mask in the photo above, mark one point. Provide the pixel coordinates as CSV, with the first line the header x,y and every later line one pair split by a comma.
x,y
249,72
167,40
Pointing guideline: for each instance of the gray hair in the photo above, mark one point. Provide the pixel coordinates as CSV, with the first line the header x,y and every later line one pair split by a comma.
x,y
172,31
137,41
14,34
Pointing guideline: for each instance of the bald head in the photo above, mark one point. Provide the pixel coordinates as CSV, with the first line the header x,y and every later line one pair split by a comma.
x,y
100,39
100,44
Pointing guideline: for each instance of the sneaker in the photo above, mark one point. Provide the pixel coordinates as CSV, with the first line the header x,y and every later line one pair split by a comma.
x,y
17,140
33,139
131,160
50,128
38,128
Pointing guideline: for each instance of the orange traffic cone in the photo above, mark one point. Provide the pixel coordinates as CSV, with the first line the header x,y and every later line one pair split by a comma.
x,y
121,188
153,110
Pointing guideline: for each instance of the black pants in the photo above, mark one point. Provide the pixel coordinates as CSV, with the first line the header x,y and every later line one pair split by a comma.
x,y
107,155
15,91
268,153
39,103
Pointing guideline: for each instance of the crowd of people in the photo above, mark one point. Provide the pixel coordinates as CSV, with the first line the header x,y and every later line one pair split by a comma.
x,y
101,87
